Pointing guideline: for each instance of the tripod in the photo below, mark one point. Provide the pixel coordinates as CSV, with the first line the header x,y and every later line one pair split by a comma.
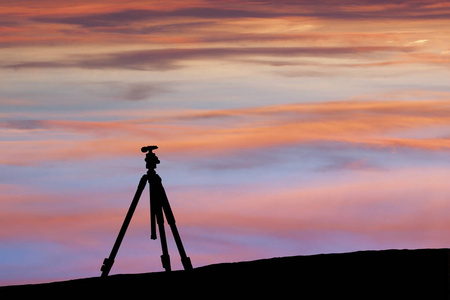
x,y
159,205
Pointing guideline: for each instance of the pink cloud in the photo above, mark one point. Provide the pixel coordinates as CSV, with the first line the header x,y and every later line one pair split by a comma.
x,y
374,124
405,201
412,203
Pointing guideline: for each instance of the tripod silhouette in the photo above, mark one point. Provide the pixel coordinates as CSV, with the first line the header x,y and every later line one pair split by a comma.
x,y
159,206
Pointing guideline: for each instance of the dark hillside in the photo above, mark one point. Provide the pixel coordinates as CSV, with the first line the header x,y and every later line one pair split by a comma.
x,y
387,274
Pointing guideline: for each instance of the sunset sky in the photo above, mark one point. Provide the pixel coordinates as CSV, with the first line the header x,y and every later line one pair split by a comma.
x,y
284,128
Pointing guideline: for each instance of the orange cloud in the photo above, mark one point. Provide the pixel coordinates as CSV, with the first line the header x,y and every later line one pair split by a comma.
x,y
194,22
378,124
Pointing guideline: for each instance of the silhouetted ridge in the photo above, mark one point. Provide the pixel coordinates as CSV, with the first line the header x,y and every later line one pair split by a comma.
x,y
387,274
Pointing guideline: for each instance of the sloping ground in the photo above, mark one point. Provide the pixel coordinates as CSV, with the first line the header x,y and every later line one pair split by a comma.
x,y
387,274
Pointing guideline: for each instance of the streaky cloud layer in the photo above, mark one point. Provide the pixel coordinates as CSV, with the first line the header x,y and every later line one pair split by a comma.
x,y
373,124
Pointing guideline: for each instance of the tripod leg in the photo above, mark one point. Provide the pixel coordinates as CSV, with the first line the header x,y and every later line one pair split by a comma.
x,y
154,209
157,213
186,261
165,258
108,262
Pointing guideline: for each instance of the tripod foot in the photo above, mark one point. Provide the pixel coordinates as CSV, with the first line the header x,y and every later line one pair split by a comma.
x,y
165,259
106,267
186,261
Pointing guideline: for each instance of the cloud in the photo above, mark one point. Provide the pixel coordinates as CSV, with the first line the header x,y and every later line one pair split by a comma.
x,y
381,125
210,22
418,42
369,9
436,59
23,124
142,91
403,200
340,164
158,29
112,19
101,19
209,10
401,208
166,59
135,91
405,208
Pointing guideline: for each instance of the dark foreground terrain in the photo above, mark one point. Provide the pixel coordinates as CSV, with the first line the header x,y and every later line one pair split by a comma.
x,y
387,274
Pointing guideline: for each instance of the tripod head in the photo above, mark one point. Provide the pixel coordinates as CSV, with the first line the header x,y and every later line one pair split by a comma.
x,y
150,158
